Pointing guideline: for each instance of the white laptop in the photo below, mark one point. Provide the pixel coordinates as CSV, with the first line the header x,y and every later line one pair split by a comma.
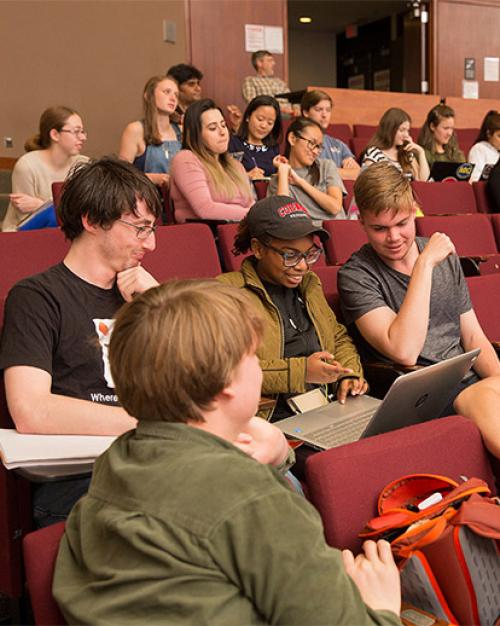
x,y
415,397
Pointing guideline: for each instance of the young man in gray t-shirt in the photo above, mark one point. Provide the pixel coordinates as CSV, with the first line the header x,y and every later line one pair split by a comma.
x,y
405,295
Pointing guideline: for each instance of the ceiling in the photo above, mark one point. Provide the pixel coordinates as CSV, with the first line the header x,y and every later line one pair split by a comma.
x,y
335,15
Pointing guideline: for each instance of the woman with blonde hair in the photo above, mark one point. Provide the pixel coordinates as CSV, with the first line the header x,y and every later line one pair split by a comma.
x,y
50,155
151,143
437,136
392,142
207,182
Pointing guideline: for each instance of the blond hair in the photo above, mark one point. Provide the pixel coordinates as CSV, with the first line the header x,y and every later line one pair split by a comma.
x,y
175,347
383,187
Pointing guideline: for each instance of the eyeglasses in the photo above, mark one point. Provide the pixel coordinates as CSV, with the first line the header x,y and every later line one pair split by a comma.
x,y
75,132
142,232
291,259
315,147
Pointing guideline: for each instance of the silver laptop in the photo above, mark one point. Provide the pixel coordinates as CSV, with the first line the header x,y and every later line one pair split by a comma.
x,y
413,398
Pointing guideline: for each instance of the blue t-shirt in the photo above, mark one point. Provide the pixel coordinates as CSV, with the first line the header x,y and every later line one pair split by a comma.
x,y
335,150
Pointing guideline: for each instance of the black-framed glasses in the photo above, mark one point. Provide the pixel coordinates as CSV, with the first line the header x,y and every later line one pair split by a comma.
x,y
142,232
291,259
75,132
318,147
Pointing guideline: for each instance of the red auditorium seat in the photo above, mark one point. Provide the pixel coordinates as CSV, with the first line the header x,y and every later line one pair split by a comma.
x,y
445,198
183,251
57,193
466,138
344,483
349,187
495,221
340,131
30,252
261,188
346,237
225,235
471,234
40,552
364,130
328,276
485,297
358,144
482,200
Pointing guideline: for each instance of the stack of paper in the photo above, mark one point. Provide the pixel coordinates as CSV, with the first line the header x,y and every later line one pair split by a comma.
x,y
18,450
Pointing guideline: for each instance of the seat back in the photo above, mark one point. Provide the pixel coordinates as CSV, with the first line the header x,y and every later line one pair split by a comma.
x,y
481,196
364,130
167,216
225,235
40,551
261,188
328,276
183,251
466,138
340,131
445,198
57,193
344,483
495,222
358,144
472,235
485,296
26,253
349,187
346,237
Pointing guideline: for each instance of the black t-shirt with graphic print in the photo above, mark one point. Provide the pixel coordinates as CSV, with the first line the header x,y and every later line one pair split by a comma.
x,y
59,323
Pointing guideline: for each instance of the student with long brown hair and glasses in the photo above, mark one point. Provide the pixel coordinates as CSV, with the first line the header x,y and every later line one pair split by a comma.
x,y
314,182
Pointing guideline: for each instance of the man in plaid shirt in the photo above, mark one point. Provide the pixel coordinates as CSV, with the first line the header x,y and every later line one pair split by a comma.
x,y
265,83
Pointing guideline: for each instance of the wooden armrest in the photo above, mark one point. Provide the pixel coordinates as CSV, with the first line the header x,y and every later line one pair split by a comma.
x,y
266,404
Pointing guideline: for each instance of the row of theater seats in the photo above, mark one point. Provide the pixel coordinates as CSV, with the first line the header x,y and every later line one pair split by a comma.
x,y
358,137
191,251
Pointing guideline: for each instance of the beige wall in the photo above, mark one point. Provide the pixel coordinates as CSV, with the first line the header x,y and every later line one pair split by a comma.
x,y
93,55
313,59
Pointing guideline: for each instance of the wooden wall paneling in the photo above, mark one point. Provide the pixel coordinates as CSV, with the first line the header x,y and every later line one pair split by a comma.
x,y
353,106
464,28
217,43
470,113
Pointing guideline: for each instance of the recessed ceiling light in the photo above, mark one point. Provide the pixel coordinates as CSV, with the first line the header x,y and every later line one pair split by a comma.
x,y
305,20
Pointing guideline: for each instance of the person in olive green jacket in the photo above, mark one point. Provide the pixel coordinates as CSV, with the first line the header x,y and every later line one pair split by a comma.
x,y
304,345
180,527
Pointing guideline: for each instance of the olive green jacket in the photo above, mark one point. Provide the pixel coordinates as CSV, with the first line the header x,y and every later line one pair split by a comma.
x,y
288,375
180,528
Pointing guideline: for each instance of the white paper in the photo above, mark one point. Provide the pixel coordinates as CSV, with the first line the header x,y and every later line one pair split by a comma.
x,y
470,89
491,69
254,37
273,39
18,450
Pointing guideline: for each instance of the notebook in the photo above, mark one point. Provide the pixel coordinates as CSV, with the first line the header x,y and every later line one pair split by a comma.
x,y
446,170
415,397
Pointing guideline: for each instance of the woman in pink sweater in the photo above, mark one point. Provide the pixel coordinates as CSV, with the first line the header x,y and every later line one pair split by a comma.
x,y
206,182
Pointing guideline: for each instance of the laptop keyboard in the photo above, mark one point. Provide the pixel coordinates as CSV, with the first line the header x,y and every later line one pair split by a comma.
x,y
341,432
